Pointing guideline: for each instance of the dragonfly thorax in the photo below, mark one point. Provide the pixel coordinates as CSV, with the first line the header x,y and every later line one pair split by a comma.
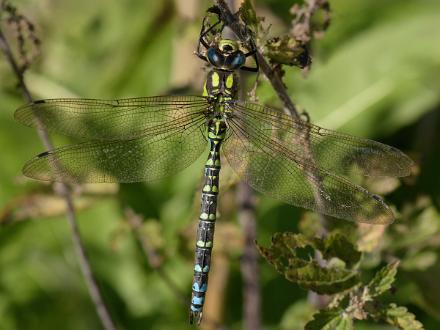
x,y
221,84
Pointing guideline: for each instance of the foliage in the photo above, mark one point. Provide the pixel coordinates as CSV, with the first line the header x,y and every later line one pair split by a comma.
x,y
249,16
287,50
375,73
351,300
324,276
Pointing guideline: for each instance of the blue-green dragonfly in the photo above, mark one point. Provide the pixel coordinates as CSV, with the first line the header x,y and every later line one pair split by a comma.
x,y
148,138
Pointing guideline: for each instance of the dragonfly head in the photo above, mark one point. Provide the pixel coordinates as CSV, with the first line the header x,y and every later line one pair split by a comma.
x,y
228,46
226,55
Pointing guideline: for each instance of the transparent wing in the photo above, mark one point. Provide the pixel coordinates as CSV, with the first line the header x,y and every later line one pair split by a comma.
x,y
143,159
275,170
333,151
112,119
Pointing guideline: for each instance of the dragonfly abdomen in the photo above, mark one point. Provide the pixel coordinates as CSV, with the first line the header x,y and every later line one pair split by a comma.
x,y
207,218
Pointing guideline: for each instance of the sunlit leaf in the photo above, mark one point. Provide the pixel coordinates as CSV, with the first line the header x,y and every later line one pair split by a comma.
x,y
296,316
330,320
337,246
399,317
292,255
383,279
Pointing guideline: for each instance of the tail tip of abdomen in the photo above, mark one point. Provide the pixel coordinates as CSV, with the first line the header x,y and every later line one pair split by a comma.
x,y
195,315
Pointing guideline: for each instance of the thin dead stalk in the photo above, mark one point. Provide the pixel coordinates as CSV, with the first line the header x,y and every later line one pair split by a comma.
x,y
277,84
274,78
250,270
62,190
249,260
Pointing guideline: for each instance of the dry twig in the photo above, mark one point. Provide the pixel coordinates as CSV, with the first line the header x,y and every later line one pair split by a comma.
x,y
275,79
61,189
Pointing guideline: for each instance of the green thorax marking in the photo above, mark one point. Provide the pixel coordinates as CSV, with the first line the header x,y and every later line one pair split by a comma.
x,y
221,82
216,134
217,129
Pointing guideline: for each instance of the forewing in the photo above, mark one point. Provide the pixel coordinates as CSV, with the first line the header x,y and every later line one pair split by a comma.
x,y
333,151
112,119
275,170
143,159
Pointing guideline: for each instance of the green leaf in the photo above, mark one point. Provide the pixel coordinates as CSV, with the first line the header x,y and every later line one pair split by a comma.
x,y
249,16
420,261
286,254
416,232
336,245
286,50
401,318
297,315
383,279
366,90
335,319
321,280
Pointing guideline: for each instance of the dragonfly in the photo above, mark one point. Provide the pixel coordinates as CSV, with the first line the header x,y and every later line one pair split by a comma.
x,y
149,138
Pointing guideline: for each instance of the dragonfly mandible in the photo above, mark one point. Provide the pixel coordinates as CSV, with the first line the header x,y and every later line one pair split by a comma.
x,y
148,138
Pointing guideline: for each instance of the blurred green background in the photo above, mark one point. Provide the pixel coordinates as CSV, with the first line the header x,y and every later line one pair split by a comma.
x,y
375,73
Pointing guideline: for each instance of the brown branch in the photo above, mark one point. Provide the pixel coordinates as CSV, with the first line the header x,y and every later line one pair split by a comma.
x,y
249,261
277,84
62,190
250,270
243,34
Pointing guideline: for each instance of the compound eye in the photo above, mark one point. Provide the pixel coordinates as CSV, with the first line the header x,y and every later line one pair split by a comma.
x,y
236,60
215,57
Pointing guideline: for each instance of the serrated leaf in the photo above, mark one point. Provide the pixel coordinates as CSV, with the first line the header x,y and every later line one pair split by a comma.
x,y
399,317
281,252
383,279
321,280
330,320
337,246
285,255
